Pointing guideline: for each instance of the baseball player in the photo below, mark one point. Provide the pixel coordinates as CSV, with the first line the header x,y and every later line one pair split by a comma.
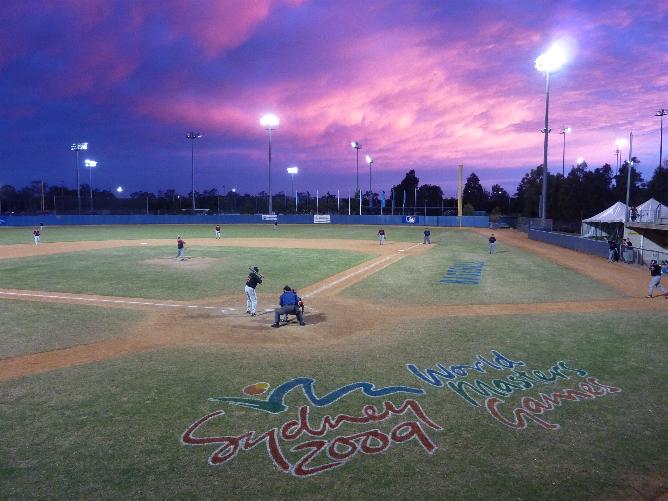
x,y
492,243
35,234
180,248
217,230
655,279
381,236
254,279
427,236
290,303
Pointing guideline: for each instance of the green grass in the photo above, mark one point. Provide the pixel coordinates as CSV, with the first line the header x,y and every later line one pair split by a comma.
x,y
125,271
169,231
29,327
509,276
111,430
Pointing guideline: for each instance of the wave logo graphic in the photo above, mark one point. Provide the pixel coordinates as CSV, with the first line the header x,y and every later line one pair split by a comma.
x,y
274,403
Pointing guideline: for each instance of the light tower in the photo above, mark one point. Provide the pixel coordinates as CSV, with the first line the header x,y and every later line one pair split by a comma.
x,y
292,171
564,131
77,147
90,164
548,62
192,136
357,146
269,122
661,113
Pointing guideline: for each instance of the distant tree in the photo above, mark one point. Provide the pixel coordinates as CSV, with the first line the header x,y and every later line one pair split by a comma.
x,y
431,196
657,187
408,186
499,199
529,192
619,190
474,194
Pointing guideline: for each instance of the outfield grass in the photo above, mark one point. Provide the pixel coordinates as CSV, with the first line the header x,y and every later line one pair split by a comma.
x,y
29,327
509,276
138,232
152,272
111,430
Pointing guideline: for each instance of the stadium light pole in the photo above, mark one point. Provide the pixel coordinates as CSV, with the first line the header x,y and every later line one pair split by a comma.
x,y
661,113
77,147
269,122
620,142
192,136
292,171
548,62
357,146
90,164
564,131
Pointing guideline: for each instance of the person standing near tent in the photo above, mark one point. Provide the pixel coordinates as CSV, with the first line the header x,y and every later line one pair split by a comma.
x,y
655,280
612,250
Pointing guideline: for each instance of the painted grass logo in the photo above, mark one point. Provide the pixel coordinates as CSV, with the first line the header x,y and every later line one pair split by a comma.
x,y
318,453
490,395
303,447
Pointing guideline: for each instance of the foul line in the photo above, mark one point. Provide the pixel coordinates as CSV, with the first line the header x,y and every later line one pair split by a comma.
x,y
357,272
116,301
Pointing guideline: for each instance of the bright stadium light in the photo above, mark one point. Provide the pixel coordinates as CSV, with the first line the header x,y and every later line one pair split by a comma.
x,y
77,147
548,62
580,160
292,171
357,146
91,164
270,122
369,160
192,136
119,189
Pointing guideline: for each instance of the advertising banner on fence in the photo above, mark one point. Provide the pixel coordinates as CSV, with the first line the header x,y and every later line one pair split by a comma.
x,y
321,219
410,219
269,217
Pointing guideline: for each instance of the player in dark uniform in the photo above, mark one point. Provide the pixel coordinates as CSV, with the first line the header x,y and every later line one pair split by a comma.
x,y
36,235
381,236
180,248
655,280
427,236
254,279
217,232
492,243
290,303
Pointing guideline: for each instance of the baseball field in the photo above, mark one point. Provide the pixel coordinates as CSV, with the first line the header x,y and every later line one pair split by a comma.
x,y
423,371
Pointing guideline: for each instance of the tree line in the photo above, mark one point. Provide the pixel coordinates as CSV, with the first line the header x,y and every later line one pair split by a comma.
x,y
582,193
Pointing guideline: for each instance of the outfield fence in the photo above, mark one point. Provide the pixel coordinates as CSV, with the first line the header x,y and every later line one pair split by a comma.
x,y
212,219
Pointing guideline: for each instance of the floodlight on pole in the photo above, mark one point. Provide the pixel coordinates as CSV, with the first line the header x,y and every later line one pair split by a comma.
x,y
192,136
292,171
369,160
661,113
548,62
269,122
90,164
620,142
77,147
119,189
357,146
580,161
564,131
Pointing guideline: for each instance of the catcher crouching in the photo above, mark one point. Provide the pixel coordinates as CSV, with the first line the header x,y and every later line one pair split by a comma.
x,y
290,303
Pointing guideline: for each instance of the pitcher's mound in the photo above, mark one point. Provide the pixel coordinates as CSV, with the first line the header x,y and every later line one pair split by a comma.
x,y
189,263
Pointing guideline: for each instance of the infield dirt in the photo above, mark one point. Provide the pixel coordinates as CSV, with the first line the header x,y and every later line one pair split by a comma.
x,y
331,318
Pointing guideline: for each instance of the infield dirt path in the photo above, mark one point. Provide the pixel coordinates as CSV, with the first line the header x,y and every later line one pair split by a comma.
x,y
332,319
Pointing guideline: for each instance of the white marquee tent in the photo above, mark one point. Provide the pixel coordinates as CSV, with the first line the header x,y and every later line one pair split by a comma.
x,y
606,224
651,211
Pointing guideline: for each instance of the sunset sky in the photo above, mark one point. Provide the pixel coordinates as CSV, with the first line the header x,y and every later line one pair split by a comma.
x,y
420,84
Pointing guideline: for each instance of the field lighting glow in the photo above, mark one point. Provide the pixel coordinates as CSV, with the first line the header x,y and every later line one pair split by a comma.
x,y
552,59
293,170
269,121
119,189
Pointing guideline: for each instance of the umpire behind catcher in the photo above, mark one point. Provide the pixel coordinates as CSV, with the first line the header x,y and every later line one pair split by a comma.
x,y
290,303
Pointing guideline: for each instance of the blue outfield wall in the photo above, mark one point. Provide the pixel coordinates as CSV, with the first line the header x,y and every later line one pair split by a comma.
x,y
51,220
577,243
